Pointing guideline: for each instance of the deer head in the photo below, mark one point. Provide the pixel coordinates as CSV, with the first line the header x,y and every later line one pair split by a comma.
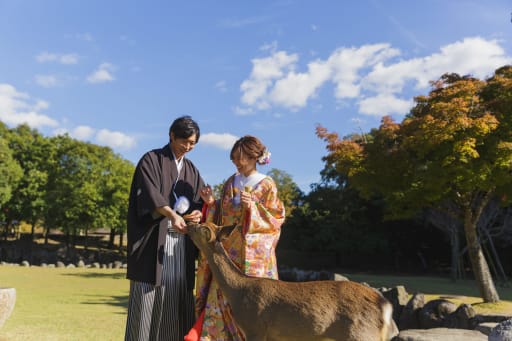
x,y
207,233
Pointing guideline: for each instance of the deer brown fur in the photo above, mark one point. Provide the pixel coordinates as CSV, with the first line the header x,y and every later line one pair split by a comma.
x,y
268,310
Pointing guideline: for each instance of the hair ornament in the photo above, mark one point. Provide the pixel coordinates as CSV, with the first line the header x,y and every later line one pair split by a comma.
x,y
264,159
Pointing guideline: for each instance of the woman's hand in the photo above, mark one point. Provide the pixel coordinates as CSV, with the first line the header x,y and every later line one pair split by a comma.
x,y
245,199
194,216
206,194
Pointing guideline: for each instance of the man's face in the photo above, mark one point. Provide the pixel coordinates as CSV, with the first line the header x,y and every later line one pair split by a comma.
x,y
181,146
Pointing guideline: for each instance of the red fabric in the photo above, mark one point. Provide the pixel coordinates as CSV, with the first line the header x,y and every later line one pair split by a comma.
x,y
204,213
195,333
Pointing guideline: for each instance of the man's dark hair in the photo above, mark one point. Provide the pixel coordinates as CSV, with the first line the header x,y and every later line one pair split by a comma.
x,y
183,127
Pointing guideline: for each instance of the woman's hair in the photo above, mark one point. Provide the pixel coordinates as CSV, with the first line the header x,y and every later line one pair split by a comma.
x,y
249,146
183,127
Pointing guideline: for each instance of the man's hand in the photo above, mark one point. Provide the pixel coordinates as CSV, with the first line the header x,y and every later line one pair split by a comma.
x,y
178,223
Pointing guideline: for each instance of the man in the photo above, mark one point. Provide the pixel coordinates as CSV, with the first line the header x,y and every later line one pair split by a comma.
x,y
161,258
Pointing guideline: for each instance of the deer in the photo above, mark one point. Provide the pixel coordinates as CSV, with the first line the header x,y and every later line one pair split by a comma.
x,y
269,310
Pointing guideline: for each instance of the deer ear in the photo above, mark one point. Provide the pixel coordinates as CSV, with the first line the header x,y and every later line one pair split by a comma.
x,y
225,231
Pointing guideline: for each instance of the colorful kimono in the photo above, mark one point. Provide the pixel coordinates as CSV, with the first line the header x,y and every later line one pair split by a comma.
x,y
251,246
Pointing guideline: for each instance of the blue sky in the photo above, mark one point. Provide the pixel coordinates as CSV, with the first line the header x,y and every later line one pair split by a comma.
x,y
117,72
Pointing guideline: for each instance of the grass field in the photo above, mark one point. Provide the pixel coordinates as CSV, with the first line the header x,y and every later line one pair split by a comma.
x,y
65,304
90,304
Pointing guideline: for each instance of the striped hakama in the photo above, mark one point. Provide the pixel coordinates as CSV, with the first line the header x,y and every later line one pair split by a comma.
x,y
163,312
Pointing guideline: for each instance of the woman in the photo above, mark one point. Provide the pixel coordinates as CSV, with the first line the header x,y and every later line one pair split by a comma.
x,y
249,199
161,258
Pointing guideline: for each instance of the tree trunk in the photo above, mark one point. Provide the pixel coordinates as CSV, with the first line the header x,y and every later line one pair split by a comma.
x,y
86,240
455,258
46,234
111,238
121,237
478,263
33,230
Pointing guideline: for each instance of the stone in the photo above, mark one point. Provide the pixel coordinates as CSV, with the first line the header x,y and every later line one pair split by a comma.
x,y
7,301
502,332
440,334
338,277
409,316
398,297
434,313
486,327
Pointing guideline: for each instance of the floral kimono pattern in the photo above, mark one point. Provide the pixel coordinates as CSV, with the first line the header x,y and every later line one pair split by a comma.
x,y
251,246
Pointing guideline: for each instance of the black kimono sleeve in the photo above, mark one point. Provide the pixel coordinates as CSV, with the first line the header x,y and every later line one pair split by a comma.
x,y
148,191
148,186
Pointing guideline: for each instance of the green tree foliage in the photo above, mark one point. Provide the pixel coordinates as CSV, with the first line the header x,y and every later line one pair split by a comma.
x,y
115,189
89,187
287,190
33,152
452,153
62,183
10,174
334,218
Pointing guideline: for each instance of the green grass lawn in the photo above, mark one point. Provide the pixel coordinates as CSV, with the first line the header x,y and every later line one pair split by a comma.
x,y
90,304
65,304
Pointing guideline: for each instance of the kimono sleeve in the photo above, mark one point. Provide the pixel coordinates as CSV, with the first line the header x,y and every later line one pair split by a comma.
x,y
266,213
147,186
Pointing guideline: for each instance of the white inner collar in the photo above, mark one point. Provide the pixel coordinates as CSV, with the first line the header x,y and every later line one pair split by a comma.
x,y
242,181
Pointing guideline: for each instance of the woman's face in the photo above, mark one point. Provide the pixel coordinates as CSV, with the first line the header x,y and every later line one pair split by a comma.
x,y
181,146
244,164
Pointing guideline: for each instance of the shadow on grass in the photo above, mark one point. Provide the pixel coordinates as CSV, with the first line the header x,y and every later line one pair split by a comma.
x,y
120,301
117,275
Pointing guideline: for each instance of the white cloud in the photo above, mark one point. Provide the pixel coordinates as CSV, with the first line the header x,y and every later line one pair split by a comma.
x,y
269,46
222,141
47,81
70,58
384,104
83,132
102,74
115,139
237,23
370,75
346,64
221,86
128,40
84,36
294,90
17,108
264,72
243,111
475,56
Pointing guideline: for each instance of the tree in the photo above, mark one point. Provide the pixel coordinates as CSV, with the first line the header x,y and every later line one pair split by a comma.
x,y
73,187
452,153
10,174
32,152
287,190
115,183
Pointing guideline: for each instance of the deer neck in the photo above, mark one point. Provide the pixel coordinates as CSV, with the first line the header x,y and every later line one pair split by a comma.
x,y
229,277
